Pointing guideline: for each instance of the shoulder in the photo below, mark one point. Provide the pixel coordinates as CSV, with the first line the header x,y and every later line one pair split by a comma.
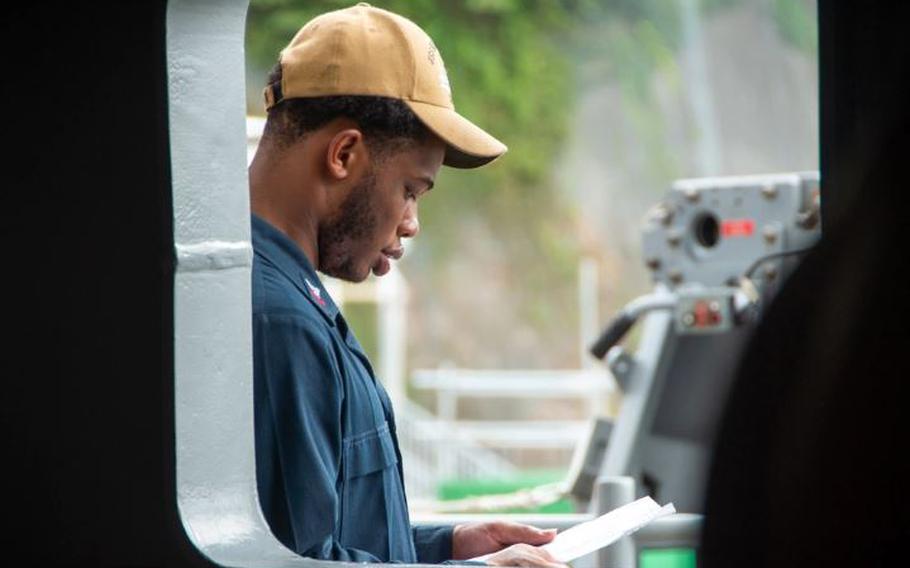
x,y
280,309
276,294
295,339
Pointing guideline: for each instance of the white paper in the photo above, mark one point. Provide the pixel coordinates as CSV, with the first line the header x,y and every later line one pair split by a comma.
x,y
604,530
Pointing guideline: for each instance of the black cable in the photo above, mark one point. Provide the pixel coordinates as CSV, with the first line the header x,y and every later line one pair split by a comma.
x,y
757,263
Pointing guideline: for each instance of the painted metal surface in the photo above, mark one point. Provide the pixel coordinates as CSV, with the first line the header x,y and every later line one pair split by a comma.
x,y
701,242
641,396
710,230
213,255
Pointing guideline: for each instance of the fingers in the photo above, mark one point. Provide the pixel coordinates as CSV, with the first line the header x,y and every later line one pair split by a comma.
x,y
514,533
525,556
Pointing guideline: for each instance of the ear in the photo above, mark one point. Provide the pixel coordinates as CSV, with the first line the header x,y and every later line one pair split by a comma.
x,y
345,153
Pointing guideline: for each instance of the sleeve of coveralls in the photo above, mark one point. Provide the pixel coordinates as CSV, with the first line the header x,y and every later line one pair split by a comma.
x,y
433,543
304,391
434,546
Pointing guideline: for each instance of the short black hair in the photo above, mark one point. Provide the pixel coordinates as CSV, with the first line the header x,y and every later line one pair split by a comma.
x,y
388,125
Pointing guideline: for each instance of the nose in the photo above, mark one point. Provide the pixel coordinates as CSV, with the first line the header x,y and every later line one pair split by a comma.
x,y
409,226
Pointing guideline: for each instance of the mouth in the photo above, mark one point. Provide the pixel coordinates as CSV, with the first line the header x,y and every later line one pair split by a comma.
x,y
384,264
393,254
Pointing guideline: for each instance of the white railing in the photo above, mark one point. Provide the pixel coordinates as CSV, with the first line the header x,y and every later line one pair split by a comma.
x,y
441,446
434,450
594,386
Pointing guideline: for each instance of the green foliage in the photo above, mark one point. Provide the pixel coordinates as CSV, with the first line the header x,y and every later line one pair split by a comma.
x,y
711,5
796,23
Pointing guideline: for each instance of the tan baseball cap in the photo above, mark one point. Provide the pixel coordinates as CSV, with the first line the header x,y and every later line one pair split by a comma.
x,y
364,50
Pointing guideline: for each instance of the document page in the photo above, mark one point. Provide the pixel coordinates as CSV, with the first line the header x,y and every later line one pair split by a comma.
x,y
604,530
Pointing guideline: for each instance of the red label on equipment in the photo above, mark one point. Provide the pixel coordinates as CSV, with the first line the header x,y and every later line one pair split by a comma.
x,y
737,227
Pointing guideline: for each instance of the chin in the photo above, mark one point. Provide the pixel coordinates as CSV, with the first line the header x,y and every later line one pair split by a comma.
x,y
347,273
356,279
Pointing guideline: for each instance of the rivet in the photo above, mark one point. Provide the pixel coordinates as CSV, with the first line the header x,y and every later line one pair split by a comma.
x,y
769,191
653,263
770,233
674,237
675,276
692,194
661,213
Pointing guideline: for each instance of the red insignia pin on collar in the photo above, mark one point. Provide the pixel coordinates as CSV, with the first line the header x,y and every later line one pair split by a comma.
x,y
315,292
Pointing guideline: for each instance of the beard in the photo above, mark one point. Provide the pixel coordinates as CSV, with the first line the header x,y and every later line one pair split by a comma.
x,y
354,225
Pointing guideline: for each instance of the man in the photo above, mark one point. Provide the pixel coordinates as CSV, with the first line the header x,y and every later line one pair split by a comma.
x,y
360,121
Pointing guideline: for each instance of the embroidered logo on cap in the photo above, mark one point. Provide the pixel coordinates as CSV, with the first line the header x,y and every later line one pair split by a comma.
x,y
315,292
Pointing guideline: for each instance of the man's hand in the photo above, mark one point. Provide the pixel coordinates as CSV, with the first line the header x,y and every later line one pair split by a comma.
x,y
477,539
526,556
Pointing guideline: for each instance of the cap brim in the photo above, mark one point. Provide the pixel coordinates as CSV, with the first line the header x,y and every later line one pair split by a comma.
x,y
468,146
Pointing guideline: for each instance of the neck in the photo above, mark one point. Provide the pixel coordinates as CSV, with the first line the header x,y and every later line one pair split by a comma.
x,y
290,208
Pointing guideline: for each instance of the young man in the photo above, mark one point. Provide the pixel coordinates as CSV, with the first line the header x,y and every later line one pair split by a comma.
x,y
360,119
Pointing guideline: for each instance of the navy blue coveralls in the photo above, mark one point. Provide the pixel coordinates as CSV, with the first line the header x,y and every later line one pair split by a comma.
x,y
327,460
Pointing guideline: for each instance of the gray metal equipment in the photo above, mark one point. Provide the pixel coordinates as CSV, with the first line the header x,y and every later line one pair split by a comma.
x,y
718,249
